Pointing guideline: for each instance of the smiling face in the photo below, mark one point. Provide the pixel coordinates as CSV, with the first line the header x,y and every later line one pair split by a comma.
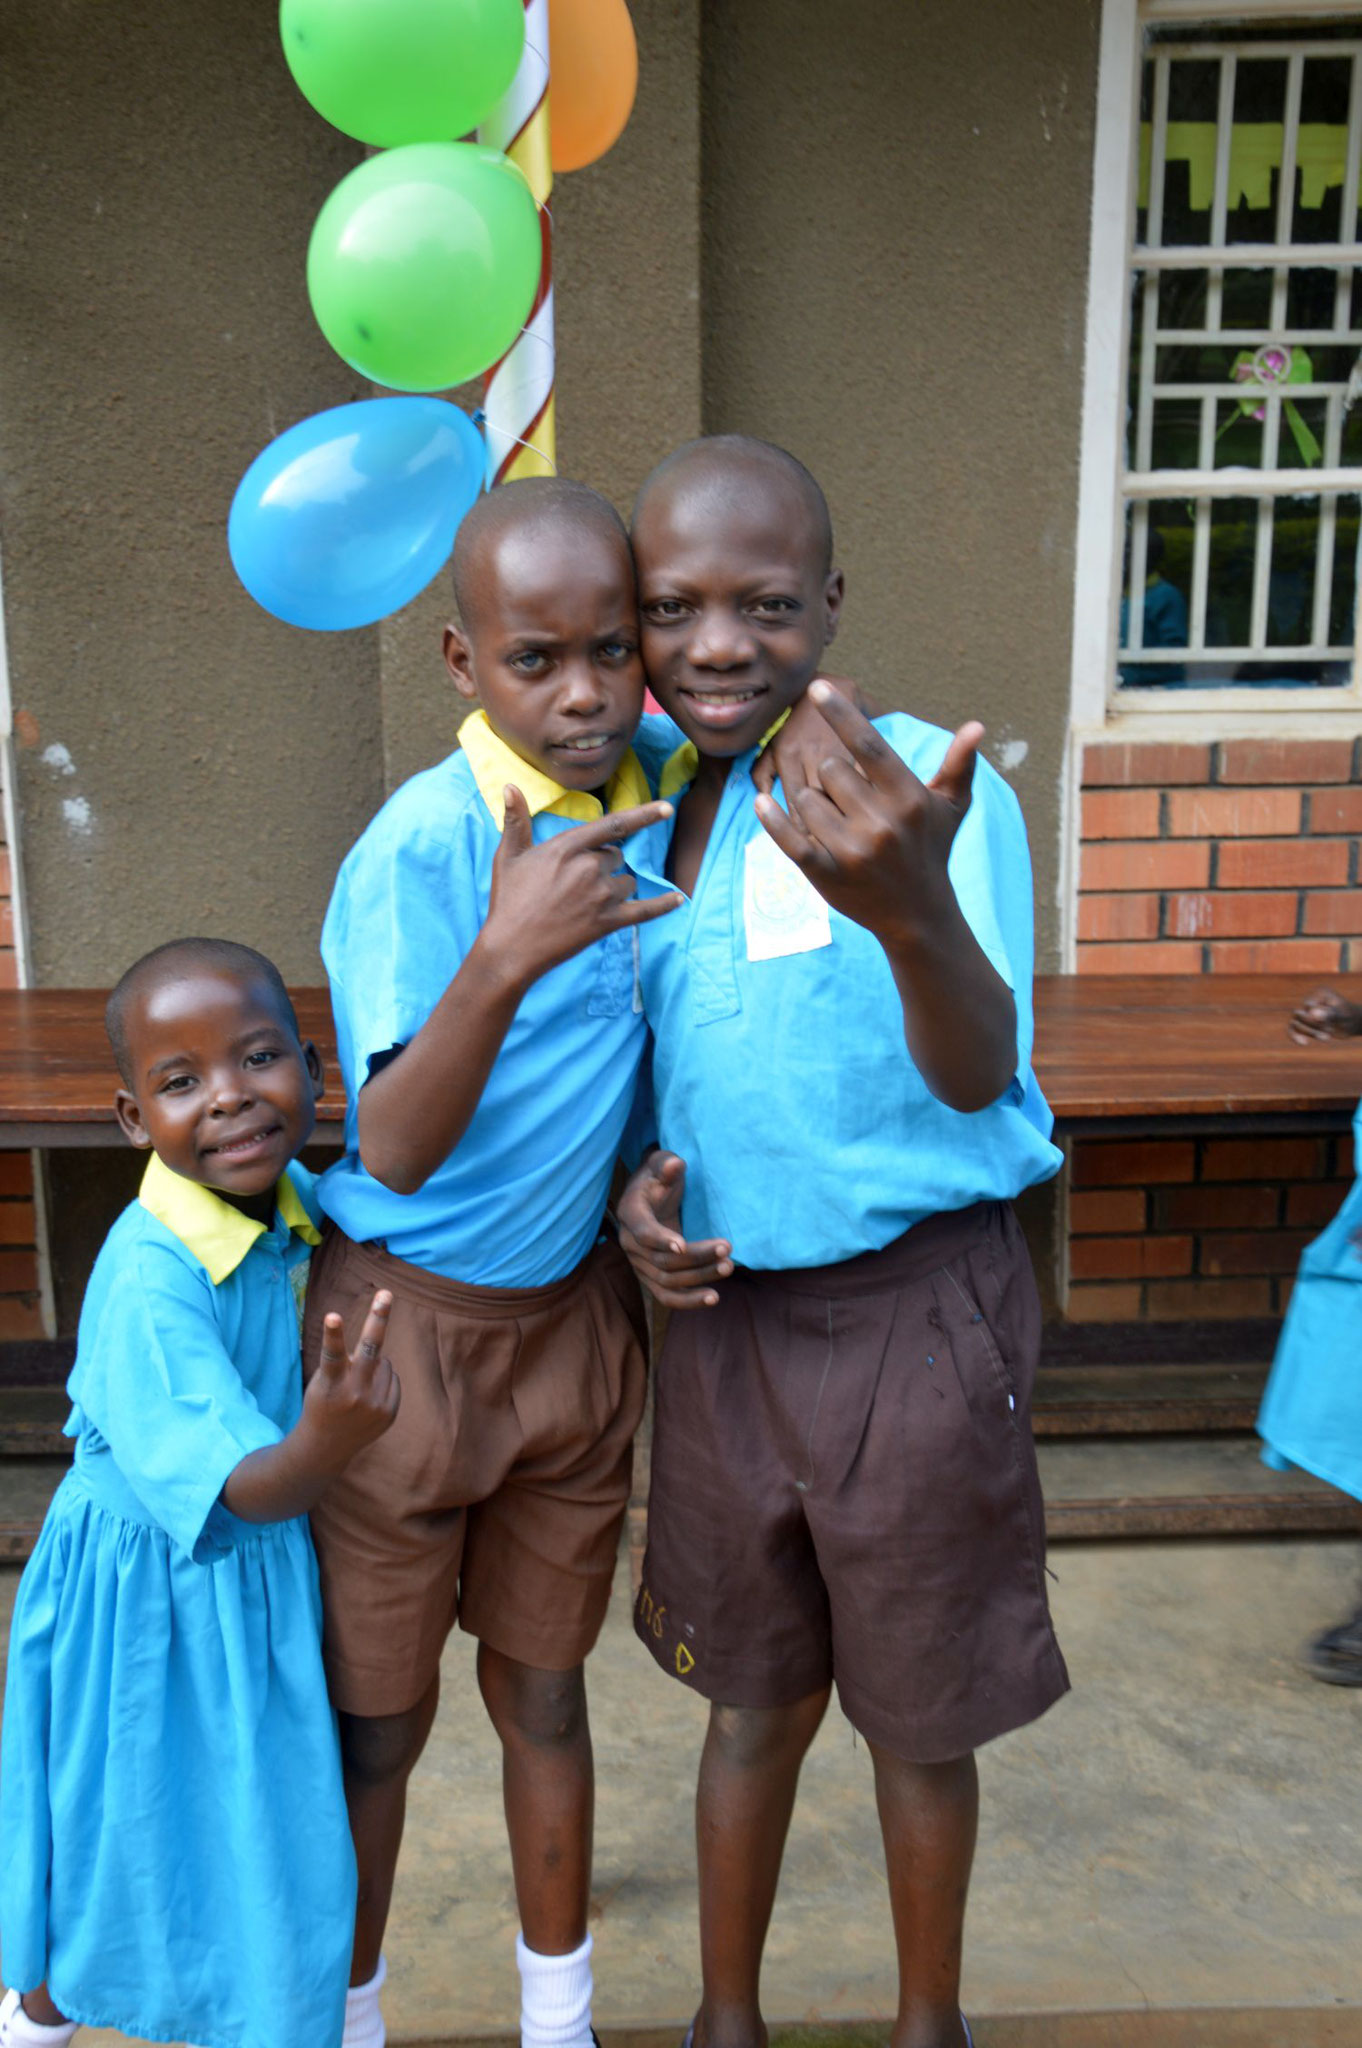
x,y
221,1088
735,596
549,646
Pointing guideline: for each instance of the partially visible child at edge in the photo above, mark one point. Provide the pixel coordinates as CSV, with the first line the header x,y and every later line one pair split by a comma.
x,y
843,1486
1311,1414
480,945
176,1859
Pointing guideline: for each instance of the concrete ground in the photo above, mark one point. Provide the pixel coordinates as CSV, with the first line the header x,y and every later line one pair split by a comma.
x,y
1178,1837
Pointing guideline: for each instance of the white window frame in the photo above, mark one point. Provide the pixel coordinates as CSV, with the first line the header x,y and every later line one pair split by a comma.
x,y
1103,484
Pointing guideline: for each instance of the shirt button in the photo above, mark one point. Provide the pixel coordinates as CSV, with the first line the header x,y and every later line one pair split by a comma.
x,y
800,1486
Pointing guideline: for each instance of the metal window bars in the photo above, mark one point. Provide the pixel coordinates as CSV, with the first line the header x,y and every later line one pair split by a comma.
x,y
1280,374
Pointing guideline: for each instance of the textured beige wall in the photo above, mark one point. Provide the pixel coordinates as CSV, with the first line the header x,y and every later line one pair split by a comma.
x,y
895,264
627,301
161,174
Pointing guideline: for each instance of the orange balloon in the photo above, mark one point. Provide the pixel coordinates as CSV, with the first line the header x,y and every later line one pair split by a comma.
x,y
593,76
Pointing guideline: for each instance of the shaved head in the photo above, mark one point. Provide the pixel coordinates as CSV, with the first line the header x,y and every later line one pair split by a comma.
x,y
722,469
526,507
173,962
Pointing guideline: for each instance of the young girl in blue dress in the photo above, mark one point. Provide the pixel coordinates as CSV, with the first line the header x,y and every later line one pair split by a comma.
x,y
176,1857
1312,1409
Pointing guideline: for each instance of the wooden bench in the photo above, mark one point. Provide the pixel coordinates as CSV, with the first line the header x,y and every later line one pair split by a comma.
x,y
1114,1055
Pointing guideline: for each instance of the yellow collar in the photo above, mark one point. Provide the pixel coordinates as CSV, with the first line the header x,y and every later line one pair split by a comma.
x,y
494,764
218,1235
679,769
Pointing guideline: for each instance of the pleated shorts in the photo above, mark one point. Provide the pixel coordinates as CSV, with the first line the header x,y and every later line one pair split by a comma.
x,y
844,1489
497,1498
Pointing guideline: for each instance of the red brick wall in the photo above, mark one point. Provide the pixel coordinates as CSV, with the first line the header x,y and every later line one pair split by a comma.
x,y
1240,856
1171,1228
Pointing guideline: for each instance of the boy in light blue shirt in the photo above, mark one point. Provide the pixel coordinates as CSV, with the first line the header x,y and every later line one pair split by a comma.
x,y
843,1481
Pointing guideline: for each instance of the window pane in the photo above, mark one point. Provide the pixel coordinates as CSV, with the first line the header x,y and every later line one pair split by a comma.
x,y
1256,367
1176,433
1153,632
1189,175
1255,149
1291,586
1248,298
1182,298
1322,150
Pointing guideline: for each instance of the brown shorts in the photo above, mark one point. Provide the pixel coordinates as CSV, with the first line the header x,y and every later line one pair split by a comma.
x,y
844,1487
496,1498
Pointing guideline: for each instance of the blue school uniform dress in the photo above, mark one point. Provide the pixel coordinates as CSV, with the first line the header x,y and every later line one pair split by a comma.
x,y
1312,1408
519,1201
177,1862
779,1068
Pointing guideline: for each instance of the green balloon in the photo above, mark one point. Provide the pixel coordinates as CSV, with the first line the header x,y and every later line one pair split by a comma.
x,y
395,71
424,263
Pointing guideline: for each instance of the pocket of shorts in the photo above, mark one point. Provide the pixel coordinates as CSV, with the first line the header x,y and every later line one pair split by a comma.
x,y
980,1331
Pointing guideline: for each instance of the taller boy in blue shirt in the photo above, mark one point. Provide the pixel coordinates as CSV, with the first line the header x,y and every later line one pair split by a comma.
x,y
843,1481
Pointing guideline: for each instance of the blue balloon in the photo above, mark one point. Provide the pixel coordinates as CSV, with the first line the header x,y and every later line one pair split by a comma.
x,y
349,514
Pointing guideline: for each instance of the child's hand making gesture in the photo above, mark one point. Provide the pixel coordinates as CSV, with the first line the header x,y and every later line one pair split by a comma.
x,y
349,1401
551,900
548,901
874,841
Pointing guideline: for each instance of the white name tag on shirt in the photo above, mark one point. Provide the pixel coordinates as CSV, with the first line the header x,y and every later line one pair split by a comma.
x,y
782,911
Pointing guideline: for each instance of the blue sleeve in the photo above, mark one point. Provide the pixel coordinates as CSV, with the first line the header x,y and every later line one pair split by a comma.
x,y
157,1382
391,943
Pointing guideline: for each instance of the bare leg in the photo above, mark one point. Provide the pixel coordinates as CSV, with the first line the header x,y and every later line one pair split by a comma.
x,y
40,2008
549,1787
378,1754
748,1775
929,1816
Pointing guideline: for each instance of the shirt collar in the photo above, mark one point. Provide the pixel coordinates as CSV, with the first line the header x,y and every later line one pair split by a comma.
x,y
217,1234
494,764
678,771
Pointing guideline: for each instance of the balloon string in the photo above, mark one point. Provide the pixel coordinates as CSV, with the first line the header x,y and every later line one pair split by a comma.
x,y
518,441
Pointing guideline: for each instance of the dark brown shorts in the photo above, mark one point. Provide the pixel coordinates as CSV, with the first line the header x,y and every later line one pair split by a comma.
x,y
497,1496
844,1487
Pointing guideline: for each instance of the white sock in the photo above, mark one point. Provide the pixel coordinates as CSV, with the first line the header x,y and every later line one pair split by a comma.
x,y
364,2026
17,2030
555,1997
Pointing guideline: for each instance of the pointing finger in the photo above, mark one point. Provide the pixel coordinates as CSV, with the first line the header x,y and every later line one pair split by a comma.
x,y
617,825
643,909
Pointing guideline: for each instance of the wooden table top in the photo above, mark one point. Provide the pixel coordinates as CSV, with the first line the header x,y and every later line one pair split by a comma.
x,y
1109,1049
